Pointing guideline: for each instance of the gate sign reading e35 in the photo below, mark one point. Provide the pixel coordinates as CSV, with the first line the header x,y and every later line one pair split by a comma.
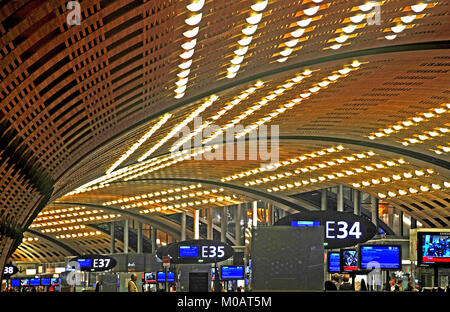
x,y
342,229
199,251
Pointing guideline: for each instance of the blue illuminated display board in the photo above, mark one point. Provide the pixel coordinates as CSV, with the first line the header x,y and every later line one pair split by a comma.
x,y
387,257
189,251
161,276
45,281
15,282
305,223
334,262
232,272
35,282
84,263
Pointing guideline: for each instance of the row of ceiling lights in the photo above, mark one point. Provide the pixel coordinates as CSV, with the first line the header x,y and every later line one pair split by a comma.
x,y
188,46
172,198
404,22
315,88
68,215
325,151
319,166
47,212
78,220
413,191
226,108
394,177
191,204
441,149
248,32
336,175
151,195
271,96
294,36
425,135
64,229
412,121
79,235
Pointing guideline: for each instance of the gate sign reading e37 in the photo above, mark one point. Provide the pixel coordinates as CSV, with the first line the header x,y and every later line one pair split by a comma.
x,y
95,262
342,229
199,251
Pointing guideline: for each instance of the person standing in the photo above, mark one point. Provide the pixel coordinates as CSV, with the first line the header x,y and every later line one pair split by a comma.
x,y
346,285
132,283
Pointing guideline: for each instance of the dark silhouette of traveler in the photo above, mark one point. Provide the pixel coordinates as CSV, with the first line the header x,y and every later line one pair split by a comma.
x,y
330,286
132,283
98,287
346,285
363,285
399,285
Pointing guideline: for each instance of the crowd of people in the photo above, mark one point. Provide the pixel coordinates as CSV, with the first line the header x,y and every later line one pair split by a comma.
x,y
342,283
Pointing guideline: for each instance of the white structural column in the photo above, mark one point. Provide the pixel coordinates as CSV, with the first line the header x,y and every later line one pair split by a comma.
x,y
183,226
237,221
356,202
374,203
113,236
255,213
126,225
154,245
323,199
340,198
223,224
209,223
139,238
197,224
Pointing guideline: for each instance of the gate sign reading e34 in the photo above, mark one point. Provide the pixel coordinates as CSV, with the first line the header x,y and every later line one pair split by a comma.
x,y
342,229
95,262
199,251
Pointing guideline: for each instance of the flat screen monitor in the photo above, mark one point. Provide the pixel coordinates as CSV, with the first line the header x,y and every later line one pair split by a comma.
x,y
35,282
161,276
25,282
150,277
45,281
15,282
55,281
380,256
334,262
232,272
433,248
189,251
84,263
349,260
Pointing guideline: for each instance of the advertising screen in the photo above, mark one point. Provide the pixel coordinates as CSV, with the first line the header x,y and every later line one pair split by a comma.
x,y
189,251
45,281
55,281
434,248
334,262
150,277
384,257
35,282
349,260
25,282
15,282
232,272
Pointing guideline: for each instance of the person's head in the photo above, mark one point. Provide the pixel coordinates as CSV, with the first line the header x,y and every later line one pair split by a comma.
x,y
335,277
400,282
393,281
134,277
346,278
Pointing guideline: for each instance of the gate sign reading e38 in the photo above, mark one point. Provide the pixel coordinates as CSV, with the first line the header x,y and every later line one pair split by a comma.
x,y
199,251
9,270
342,229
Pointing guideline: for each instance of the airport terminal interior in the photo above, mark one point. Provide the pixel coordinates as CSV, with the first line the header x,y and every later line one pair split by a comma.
x,y
224,145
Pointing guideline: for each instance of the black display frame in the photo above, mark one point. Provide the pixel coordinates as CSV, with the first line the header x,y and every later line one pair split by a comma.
x,y
232,279
420,262
328,261
341,260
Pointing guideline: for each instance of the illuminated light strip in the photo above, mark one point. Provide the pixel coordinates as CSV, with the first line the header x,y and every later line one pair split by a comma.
x,y
296,101
352,23
294,37
78,235
172,198
441,149
248,32
333,176
404,22
47,212
178,127
395,177
64,229
412,121
413,191
141,141
291,161
424,136
152,195
75,219
191,204
188,46
323,165
270,96
228,106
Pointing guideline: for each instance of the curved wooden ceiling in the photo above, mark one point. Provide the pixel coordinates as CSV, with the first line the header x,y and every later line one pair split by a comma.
x,y
86,102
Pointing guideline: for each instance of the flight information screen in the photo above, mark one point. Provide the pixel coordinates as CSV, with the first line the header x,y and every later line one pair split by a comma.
x,y
189,251
384,257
